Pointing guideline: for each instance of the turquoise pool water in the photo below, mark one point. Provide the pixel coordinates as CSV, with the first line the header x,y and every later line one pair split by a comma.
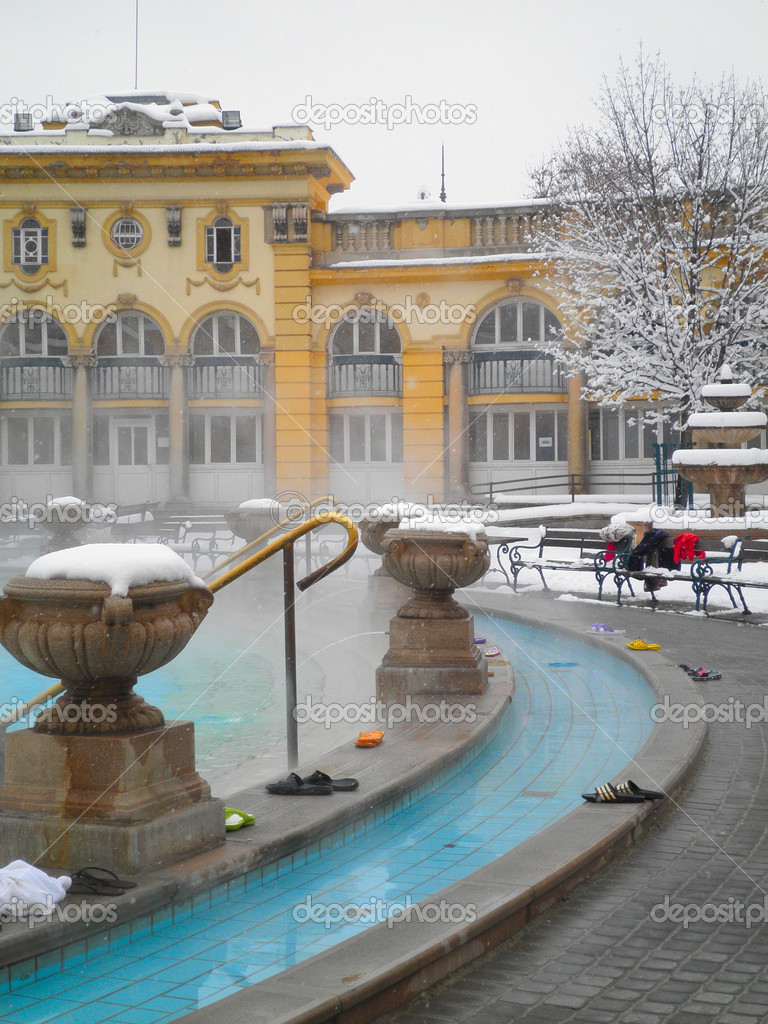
x,y
577,717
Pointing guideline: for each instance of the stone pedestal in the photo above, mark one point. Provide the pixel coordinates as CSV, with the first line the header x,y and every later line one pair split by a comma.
x,y
430,656
129,802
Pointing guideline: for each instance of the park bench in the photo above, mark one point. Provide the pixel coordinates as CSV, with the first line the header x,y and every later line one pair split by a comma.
x,y
727,571
590,554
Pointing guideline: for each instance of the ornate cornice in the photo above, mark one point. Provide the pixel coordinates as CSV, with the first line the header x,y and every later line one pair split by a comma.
x,y
224,286
35,286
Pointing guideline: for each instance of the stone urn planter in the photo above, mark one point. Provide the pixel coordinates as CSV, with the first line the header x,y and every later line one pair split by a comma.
x,y
372,532
97,645
250,522
431,639
433,565
101,779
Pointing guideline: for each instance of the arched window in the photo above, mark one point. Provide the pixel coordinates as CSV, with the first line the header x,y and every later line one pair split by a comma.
x,y
365,331
225,333
31,333
508,350
130,334
30,245
222,244
365,355
516,324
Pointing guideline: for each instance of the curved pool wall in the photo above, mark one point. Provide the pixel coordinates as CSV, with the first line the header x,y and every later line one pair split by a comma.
x,y
577,717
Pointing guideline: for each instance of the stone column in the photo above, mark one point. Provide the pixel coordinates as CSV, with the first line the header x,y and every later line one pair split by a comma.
x,y
578,437
458,420
269,422
178,454
82,456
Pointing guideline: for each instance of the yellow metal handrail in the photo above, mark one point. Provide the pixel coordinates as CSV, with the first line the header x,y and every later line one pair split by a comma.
x,y
22,709
287,539
267,533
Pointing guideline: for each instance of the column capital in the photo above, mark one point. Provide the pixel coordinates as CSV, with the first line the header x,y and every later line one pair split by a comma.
x,y
267,357
81,359
454,356
178,359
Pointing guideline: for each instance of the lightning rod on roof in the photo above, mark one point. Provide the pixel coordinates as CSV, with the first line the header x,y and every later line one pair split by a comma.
x,y
443,196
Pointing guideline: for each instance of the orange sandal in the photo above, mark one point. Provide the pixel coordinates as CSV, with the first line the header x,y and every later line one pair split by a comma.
x,y
369,739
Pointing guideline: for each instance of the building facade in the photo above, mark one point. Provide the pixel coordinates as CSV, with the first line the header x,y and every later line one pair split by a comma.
x,y
182,319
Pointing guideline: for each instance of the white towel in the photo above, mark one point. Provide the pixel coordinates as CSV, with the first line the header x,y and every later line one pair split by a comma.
x,y
25,888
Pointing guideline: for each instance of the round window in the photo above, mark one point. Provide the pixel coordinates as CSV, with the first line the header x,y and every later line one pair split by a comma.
x,y
126,233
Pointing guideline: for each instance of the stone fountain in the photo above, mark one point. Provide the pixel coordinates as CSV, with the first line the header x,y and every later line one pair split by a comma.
x,y
253,518
101,778
724,469
431,639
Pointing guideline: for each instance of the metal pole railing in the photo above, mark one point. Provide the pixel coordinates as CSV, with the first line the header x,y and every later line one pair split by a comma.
x,y
291,697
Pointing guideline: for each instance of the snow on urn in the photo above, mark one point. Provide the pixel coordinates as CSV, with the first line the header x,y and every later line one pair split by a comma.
x,y
724,469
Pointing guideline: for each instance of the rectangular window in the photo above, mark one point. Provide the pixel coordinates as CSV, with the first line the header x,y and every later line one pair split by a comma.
x,y
154,345
221,439
632,433
522,423
508,323
378,426
227,328
141,446
649,440
100,441
42,432
531,331
357,438
18,441
396,425
162,440
245,439
336,438
129,330
65,440
124,446
478,441
594,435
33,337
197,440
500,437
545,436
610,433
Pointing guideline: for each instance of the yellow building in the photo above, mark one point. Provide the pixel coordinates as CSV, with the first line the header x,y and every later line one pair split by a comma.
x,y
183,319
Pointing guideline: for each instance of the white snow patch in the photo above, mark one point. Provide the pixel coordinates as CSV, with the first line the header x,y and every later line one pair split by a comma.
x,y
720,457
120,566
727,419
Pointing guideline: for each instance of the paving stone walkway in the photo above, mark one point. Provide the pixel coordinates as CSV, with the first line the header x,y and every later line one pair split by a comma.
x,y
600,956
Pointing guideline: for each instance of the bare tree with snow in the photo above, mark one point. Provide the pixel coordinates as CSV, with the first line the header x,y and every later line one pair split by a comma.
x,y
657,240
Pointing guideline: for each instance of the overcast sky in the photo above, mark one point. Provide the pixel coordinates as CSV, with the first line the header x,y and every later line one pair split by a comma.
x,y
513,75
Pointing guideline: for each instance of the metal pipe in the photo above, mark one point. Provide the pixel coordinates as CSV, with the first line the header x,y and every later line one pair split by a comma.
x,y
291,697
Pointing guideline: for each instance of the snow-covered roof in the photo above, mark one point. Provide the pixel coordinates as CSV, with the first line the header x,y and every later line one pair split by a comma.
x,y
433,261
432,206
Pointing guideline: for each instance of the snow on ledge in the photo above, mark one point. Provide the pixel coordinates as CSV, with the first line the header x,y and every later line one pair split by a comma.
x,y
726,391
720,457
268,503
120,566
435,524
727,419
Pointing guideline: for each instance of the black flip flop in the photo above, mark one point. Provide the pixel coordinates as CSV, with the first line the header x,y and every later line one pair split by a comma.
x,y
320,778
294,785
82,887
609,794
93,875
